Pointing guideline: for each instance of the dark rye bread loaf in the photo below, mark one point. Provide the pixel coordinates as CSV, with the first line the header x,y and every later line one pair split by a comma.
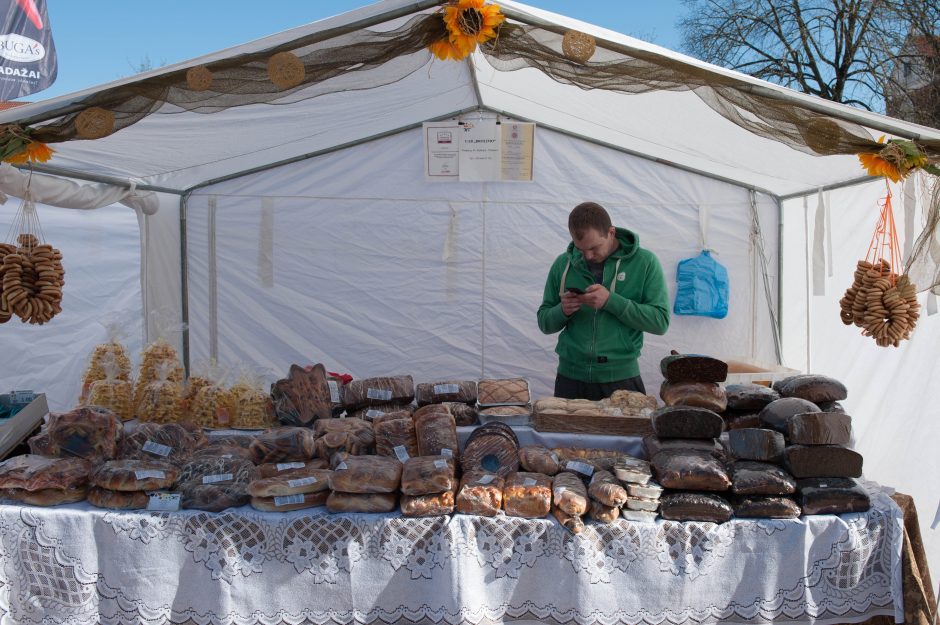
x,y
760,478
820,428
693,368
776,414
822,461
756,444
686,422
766,508
749,397
832,496
695,507
814,388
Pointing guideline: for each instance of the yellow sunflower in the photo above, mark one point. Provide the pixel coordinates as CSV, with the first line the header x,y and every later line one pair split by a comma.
x,y
34,152
470,22
877,166
444,50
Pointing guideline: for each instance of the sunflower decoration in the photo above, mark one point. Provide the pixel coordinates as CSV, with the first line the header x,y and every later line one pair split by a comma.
x,y
468,23
19,148
896,160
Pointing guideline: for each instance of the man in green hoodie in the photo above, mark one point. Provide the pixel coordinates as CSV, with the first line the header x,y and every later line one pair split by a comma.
x,y
602,294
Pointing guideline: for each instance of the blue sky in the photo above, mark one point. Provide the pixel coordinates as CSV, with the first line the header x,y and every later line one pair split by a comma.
x,y
98,41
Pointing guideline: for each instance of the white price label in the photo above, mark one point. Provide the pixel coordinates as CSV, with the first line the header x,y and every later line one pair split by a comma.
x,y
593,479
401,453
371,414
529,482
486,479
824,485
215,479
287,466
446,389
288,500
164,502
342,466
157,449
580,467
304,481
379,394
441,464
447,452
22,397
556,458
150,473
334,391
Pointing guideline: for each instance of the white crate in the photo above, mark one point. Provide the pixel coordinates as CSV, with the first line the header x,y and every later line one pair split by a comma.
x,y
771,372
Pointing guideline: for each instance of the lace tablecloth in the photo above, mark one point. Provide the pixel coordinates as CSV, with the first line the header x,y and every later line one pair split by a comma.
x,y
76,564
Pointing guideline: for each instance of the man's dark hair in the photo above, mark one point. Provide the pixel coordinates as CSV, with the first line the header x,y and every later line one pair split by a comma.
x,y
588,215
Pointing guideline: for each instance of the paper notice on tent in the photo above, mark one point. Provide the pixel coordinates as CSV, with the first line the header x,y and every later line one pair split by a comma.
x,y
517,143
441,150
480,151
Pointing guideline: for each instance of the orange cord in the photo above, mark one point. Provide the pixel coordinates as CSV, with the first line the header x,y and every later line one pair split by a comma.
x,y
884,242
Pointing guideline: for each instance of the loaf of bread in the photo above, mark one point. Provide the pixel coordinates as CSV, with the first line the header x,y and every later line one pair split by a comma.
x,y
134,475
606,489
709,395
217,470
820,428
750,397
213,497
569,494
312,481
572,523
87,432
693,368
603,514
813,388
367,474
286,503
284,444
222,451
695,507
372,413
463,391
436,432
527,495
170,442
480,494
117,499
762,445
303,396
504,391
396,438
491,449
539,459
832,496
46,496
766,508
427,505
353,443
776,415
31,472
653,445
690,470
632,403
760,478
360,502
282,469
379,391
822,461
427,475
686,422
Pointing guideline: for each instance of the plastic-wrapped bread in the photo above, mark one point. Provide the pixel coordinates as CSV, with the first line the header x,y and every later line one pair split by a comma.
x,y
356,443
686,422
391,416
822,461
435,504
371,413
539,459
642,504
463,414
527,495
250,406
736,420
41,444
749,397
104,357
159,400
491,449
396,438
436,432
569,494
222,451
168,442
153,367
572,523
46,496
690,470
814,388
284,444
633,470
603,514
462,391
606,489
512,391
117,499
212,407
638,516
427,475
212,471
760,478
650,490
766,508
303,396
693,368
480,494
776,414
762,445
134,475
832,496
281,469
653,445
312,481
213,497
707,395
367,474
32,472
87,432
820,428
359,502
632,403
286,503
379,391
695,507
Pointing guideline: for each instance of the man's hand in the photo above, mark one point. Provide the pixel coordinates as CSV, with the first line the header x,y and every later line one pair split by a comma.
x,y
570,303
594,296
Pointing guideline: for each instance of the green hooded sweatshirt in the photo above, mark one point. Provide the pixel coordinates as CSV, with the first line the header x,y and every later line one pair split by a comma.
x,y
603,345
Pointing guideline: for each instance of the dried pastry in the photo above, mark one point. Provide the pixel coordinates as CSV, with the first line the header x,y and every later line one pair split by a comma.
x,y
480,494
463,391
286,503
505,391
435,504
134,475
379,391
427,475
539,459
113,393
250,407
527,495
361,502
367,474
284,444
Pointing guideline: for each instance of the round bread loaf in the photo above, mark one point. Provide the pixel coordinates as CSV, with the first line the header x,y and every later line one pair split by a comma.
x,y
134,475
117,499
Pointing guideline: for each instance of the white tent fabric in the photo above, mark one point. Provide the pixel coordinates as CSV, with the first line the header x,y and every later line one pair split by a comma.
x,y
345,254
64,193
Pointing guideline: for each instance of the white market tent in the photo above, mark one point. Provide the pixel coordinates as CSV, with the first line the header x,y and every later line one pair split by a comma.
x,y
304,230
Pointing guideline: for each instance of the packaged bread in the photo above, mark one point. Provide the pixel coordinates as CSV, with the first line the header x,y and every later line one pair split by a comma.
x,y
361,502
653,445
159,400
766,508
303,396
88,432
249,404
427,475
776,415
112,391
170,442
695,507
572,523
433,504
749,397
512,391
391,416
31,472
211,404
759,444
822,461
480,494
832,496
603,514
693,368
312,481
46,496
436,434
117,499
222,450
326,426
690,470
820,428
642,504
41,443
633,470
463,391
569,494
281,469
379,391
606,489
760,478
491,449
374,413
218,471
813,388
539,459
686,422
284,444
709,395
213,497
347,442
286,503
367,474
396,438
632,403
134,475
463,414
527,495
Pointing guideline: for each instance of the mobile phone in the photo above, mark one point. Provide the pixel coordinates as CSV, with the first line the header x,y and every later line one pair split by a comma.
x,y
575,290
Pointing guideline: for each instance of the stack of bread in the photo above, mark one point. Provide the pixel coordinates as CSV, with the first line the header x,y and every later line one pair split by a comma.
x,y
364,484
124,484
428,486
41,481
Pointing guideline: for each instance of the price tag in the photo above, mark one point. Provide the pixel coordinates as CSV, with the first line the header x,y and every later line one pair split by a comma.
x,y
556,458
288,500
446,389
580,467
341,467
334,391
215,479
486,479
441,464
593,479
150,473
529,482
447,452
401,453
304,481
22,397
287,466
371,414
164,502
157,449
824,485
380,394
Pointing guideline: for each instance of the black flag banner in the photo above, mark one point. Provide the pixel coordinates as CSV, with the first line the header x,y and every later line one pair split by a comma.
x,y
27,54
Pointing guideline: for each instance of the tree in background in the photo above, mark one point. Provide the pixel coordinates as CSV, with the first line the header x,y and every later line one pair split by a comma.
x,y
881,55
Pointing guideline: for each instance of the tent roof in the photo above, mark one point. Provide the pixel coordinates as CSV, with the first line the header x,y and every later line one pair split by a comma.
x,y
177,150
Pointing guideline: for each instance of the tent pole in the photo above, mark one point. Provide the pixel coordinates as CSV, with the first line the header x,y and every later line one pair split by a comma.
x,y
780,275
184,281
41,168
829,187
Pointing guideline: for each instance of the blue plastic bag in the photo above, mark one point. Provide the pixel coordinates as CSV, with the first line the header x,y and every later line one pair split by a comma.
x,y
701,287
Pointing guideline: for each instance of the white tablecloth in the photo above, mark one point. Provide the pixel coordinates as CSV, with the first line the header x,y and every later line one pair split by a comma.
x,y
75,564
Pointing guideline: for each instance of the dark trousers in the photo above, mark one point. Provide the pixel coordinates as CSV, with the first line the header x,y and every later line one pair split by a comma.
x,y
575,389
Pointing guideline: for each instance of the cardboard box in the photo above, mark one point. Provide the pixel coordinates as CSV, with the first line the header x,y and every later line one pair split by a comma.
x,y
16,429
